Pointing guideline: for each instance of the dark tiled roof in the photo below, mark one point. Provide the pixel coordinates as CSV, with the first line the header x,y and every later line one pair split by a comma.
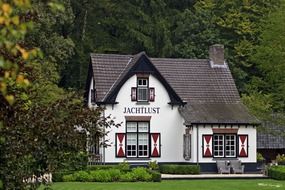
x,y
234,113
271,137
210,92
106,70
196,82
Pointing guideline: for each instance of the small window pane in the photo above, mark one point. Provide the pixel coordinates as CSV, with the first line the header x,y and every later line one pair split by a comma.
x,y
143,126
230,145
131,126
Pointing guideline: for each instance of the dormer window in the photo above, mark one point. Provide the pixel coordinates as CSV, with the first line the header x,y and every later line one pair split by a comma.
x,y
142,93
142,90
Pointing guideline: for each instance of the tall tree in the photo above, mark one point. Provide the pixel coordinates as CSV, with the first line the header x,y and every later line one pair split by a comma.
x,y
267,87
237,24
40,122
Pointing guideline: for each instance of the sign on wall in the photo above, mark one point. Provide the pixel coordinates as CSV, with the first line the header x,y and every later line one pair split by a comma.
x,y
141,110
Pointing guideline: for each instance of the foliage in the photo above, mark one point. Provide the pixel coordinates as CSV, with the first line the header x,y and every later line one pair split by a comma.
x,y
82,176
101,167
68,178
153,165
266,90
42,126
259,157
127,177
58,175
277,172
13,53
179,169
141,174
155,175
280,159
124,166
113,175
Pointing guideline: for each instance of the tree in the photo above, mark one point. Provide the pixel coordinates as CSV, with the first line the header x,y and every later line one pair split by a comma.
x,y
269,82
237,24
41,124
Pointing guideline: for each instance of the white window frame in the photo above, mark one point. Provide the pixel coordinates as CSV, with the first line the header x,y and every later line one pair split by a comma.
x,y
141,89
220,147
225,145
138,134
234,146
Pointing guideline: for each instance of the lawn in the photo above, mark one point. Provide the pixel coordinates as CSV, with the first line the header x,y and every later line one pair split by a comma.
x,y
262,184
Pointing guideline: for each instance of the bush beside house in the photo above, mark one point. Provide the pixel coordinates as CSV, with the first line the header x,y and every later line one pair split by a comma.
x,y
179,169
111,173
277,172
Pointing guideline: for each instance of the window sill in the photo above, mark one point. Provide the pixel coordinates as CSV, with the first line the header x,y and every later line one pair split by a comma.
x,y
138,158
142,103
230,158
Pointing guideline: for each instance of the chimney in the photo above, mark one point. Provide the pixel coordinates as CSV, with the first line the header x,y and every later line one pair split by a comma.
x,y
216,55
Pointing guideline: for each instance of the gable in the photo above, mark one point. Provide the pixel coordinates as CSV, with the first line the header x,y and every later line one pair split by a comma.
x,y
140,64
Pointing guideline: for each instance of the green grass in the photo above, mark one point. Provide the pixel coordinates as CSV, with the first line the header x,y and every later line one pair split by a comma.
x,y
262,184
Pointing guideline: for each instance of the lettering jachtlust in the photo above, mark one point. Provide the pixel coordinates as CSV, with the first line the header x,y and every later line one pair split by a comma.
x,y
141,110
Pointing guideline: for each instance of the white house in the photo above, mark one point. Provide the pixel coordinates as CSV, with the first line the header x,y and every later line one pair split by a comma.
x,y
183,111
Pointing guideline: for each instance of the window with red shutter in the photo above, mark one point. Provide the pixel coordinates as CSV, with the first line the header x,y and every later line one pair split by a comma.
x,y
134,94
151,94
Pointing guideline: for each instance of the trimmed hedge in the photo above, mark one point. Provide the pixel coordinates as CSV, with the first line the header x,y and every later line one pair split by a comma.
x,y
155,175
112,175
57,176
277,172
101,167
124,166
179,169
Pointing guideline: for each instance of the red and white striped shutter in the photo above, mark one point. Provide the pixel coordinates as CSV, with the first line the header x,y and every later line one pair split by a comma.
x,y
242,145
207,145
120,144
151,94
155,144
134,94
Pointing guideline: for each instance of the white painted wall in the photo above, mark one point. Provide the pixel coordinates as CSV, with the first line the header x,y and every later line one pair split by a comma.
x,y
168,122
242,130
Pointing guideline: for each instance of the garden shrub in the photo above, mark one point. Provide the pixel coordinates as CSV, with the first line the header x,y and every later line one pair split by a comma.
x,y
277,172
112,175
115,174
124,166
82,176
100,176
179,169
57,176
1,185
68,178
152,165
141,174
101,167
155,176
127,177
280,159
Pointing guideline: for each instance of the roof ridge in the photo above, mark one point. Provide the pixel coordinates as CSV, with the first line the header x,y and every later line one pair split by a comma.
x,y
112,54
180,59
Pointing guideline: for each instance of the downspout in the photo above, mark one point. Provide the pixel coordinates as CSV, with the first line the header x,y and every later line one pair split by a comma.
x,y
197,144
